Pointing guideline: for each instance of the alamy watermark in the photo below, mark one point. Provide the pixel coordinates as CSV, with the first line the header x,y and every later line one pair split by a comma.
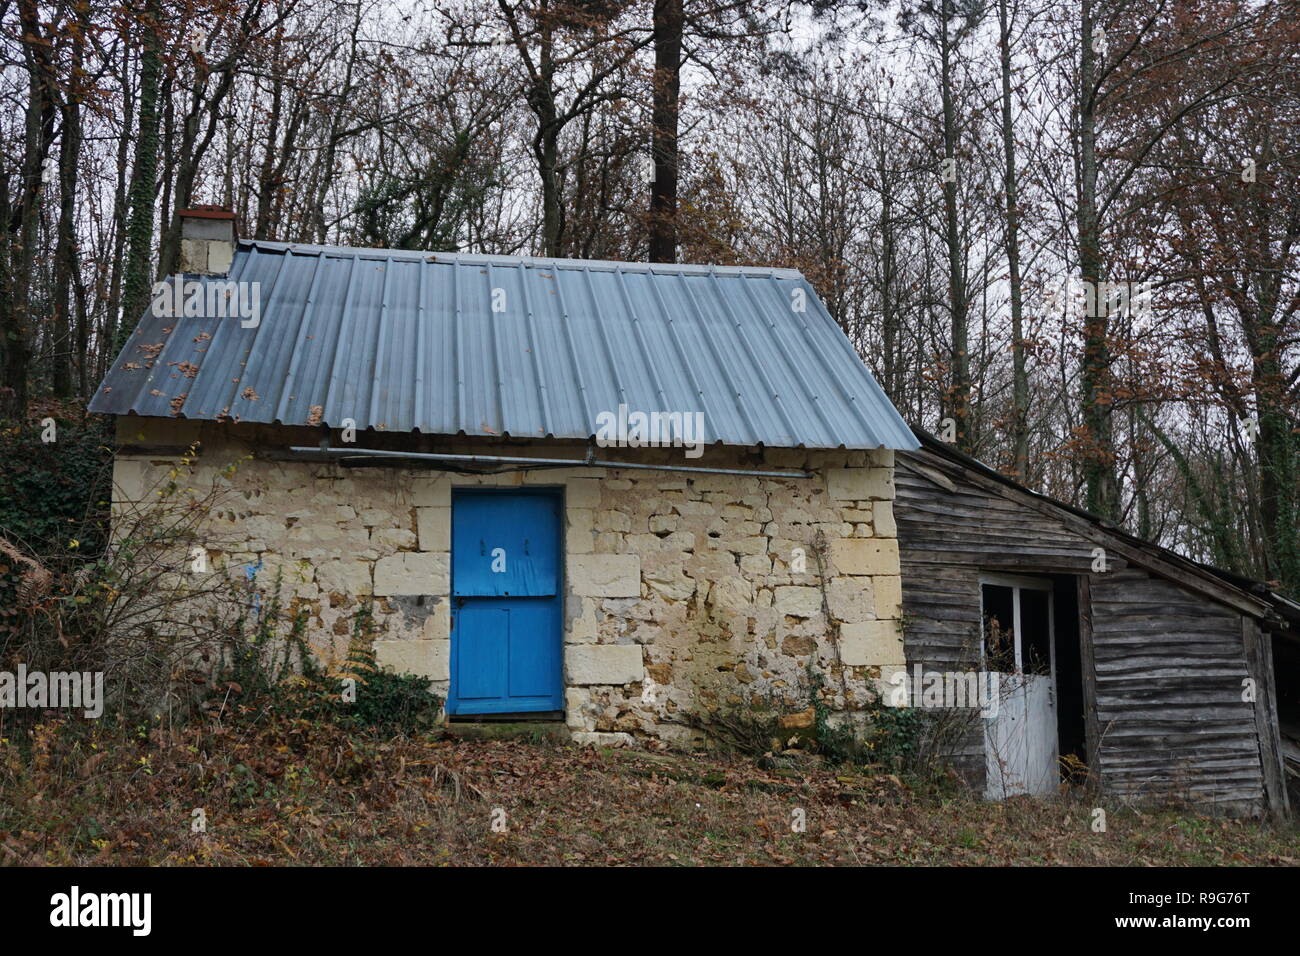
x,y
43,690
1073,294
636,429
177,297
946,690
77,909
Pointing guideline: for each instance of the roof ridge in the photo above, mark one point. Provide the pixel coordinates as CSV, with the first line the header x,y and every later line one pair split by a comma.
x,y
452,258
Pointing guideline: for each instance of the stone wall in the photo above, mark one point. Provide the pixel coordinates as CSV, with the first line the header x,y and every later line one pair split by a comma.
x,y
683,592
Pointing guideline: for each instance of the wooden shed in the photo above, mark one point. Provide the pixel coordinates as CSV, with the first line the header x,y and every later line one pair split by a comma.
x,y
1153,675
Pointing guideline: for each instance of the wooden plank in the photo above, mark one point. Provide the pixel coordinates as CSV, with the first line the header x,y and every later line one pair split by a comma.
x,y
1259,658
1091,722
932,474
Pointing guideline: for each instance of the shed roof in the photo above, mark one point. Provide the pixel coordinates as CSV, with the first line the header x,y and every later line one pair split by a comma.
x,y
1245,595
492,345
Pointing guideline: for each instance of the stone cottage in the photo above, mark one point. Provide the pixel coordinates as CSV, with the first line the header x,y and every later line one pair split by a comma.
x,y
612,494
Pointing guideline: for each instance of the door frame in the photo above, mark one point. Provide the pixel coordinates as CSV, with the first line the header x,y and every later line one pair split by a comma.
x,y
1018,583
555,493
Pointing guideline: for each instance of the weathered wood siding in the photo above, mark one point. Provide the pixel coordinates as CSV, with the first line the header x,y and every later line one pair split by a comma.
x,y
1170,721
1170,672
946,538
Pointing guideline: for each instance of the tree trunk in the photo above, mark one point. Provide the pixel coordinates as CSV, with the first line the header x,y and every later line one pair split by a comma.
x,y
546,145
24,222
1099,470
669,22
67,348
1276,443
1019,376
960,386
138,280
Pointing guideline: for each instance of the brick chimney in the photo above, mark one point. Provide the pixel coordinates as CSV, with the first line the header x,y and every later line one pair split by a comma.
x,y
207,240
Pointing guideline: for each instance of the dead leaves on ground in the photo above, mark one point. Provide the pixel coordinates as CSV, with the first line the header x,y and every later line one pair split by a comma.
x,y
293,792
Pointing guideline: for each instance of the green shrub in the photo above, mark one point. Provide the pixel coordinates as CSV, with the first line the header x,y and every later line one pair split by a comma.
x,y
54,502
876,734
269,666
54,493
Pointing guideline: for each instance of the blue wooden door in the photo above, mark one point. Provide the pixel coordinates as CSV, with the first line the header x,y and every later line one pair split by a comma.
x,y
506,638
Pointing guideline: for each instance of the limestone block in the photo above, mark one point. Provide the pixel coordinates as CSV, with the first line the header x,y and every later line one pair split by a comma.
x,y
434,528
608,542
882,457
670,580
852,599
579,533
344,576
882,518
437,626
798,601
603,664
431,659
392,539
732,593
412,572
871,643
605,575
613,521
582,493
576,709
664,523
724,483
307,538
860,484
754,545
893,685
865,556
889,595
581,624
428,491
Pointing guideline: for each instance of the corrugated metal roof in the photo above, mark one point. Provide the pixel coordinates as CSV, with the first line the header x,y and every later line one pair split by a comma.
x,y
410,341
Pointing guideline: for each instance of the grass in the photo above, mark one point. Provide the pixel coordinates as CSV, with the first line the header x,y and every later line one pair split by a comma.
x,y
289,792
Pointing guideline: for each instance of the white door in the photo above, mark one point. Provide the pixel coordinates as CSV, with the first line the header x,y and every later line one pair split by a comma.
x,y
1020,741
